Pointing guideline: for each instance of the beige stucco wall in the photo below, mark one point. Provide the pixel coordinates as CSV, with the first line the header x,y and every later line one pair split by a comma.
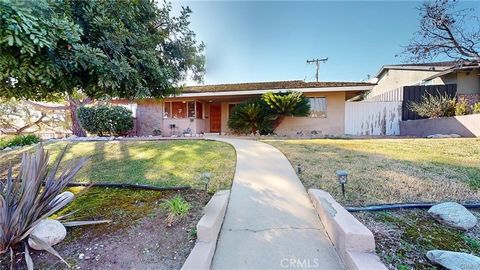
x,y
465,126
397,78
149,116
333,124
468,83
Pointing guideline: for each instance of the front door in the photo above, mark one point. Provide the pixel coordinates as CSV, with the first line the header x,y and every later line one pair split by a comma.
x,y
215,117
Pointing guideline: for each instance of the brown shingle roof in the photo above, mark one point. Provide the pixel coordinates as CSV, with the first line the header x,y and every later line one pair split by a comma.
x,y
267,86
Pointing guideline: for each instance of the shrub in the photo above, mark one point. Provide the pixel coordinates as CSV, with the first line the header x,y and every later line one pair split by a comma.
x,y
177,208
287,104
434,106
265,114
20,140
21,209
476,108
461,107
252,116
106,120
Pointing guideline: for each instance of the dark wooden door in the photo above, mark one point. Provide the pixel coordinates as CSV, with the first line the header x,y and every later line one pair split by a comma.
x,y
215,117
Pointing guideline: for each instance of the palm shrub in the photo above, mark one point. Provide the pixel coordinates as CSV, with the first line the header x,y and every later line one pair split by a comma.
x,y
434,106
287,104
31,196
266,113
104,120
252,116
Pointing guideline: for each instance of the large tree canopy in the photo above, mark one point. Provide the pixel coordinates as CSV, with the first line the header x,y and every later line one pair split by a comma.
x,y
105,48
446,30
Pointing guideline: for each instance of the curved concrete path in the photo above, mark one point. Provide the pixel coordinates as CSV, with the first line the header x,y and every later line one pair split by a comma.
x,y
270,221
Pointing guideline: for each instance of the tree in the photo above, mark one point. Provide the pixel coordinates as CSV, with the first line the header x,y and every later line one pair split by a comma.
x,y
99,49
20,116
446,30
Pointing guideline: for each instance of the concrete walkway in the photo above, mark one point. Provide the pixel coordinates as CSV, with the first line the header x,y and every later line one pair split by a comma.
x,y
270,221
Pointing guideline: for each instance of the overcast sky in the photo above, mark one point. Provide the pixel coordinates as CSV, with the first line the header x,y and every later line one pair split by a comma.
x,y
268,41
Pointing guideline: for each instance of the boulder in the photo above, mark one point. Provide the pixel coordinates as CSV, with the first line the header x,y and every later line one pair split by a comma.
x,y
50,231
454,215
454,260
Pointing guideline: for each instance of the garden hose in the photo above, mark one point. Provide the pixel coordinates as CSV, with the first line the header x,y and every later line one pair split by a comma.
x,y
130,186
395,206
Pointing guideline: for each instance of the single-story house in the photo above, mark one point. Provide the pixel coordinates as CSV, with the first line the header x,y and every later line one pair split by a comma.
x,y
390,79
206,108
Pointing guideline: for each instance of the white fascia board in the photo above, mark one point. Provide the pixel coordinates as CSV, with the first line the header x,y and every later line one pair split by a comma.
x,y
259,92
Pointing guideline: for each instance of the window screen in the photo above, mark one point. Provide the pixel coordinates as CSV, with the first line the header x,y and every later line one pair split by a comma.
x,y
318,107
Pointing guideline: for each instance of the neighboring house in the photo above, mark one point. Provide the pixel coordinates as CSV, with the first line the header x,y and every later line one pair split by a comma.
x,y
465,75
391,79
206,108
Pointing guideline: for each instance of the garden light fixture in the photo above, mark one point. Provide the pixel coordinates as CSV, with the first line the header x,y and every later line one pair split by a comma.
x,y
205,178
342,179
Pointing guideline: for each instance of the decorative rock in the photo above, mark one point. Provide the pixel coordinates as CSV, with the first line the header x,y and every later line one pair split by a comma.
x,y
50,231
436,136
81,256
66,195
454,260
454,215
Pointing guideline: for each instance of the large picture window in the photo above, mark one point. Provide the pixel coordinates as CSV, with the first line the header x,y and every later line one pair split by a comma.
x,y
183,109
179,109
318,107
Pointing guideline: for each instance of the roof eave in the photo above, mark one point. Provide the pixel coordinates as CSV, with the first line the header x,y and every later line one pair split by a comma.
x,y
259,92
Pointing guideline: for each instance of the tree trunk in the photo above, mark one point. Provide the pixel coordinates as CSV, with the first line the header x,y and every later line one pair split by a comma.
x,y
76,128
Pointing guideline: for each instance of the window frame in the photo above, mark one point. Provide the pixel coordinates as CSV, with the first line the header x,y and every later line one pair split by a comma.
x,y
325,112
168,109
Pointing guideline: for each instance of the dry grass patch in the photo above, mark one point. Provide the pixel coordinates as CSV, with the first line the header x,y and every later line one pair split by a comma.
x,y
389,170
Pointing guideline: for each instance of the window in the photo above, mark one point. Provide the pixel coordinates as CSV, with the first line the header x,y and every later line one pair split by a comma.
x,y
167,113
179,109
318,107
199,110
191,109
183,109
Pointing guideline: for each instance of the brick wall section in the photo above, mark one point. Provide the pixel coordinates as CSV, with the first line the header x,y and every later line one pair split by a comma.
x,y
149,117
470,98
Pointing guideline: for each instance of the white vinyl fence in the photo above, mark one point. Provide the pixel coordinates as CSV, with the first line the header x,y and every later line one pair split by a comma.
x,y
373,118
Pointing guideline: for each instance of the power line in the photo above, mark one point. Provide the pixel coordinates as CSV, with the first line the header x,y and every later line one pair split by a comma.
x,y
317,63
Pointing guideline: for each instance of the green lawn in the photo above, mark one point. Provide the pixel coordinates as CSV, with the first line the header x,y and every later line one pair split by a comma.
x,y
164,163
389,170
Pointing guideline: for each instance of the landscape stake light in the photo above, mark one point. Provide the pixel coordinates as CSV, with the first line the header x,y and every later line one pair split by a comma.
x,y
299,168
342,179
206,176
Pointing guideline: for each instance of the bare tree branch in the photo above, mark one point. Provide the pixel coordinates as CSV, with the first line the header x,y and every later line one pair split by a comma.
x,y
447,31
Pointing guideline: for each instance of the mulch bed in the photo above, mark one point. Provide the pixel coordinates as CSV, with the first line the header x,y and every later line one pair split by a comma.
x,y
403,237
144,243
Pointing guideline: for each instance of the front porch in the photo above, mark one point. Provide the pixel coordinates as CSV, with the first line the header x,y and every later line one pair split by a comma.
x,y
180,116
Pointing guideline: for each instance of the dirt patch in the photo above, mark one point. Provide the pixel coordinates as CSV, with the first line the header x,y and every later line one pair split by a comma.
x,y
403,237
139,237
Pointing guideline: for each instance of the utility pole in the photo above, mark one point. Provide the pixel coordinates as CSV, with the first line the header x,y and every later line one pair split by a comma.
x,y
317,63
